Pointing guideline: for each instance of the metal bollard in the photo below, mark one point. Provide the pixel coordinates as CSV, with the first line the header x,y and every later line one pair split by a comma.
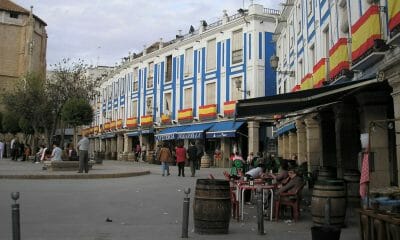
x,y
260,213
15,217
185,217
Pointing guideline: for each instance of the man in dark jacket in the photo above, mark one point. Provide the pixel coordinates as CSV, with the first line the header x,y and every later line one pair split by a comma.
x,y
192,153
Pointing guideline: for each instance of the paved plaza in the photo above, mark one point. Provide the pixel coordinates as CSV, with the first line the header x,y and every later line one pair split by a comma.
x,y
145,206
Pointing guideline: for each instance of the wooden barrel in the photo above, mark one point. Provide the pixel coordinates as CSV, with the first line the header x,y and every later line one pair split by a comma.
x,y
131,156
326,173
334,190
205,161
212,206
352,180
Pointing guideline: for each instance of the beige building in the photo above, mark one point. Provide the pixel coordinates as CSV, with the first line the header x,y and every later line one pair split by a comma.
x,y
23,42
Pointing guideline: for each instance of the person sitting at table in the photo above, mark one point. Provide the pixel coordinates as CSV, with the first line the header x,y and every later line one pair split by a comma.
x,y
294,181
282,176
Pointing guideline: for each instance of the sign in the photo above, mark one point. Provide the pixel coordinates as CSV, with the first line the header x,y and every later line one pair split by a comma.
x,y
190,135
165,137
220,134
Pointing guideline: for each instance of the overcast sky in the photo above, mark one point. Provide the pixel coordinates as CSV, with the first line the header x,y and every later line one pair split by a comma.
x,y
101,32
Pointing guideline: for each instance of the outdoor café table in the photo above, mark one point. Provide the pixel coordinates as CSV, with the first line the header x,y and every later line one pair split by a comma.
x,y
246,186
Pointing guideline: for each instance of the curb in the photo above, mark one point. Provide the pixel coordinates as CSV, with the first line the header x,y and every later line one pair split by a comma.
x,y
77,176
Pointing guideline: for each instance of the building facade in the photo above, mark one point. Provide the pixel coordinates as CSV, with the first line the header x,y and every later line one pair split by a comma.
x,y
347,50
181,89
23,43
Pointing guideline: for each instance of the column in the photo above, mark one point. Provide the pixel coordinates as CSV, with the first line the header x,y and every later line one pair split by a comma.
x,y
127,144
280,146
114,148
292,144
225,151
313,133
254,136
285,143
394,82
301,141
120,143
373,106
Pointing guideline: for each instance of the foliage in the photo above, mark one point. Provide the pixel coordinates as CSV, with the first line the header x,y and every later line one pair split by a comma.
x,y
77,111
10,123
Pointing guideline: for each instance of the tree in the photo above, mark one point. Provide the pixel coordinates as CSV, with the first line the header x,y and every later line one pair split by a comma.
x,y
10,123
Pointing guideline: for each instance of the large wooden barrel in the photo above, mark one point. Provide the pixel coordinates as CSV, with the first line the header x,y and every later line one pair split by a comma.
x,y
334,190
205,161
212,206
352,180
326,173
131,156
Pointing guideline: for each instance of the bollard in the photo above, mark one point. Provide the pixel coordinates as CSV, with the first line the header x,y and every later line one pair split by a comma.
x,y
260,213
185,217
15,217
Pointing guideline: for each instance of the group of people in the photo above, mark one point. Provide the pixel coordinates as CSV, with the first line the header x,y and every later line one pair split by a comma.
x,y
179,155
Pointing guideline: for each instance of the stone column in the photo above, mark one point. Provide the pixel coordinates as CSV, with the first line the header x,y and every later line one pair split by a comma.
x,y
285,144
127,144
113,148
292,144
280,146
313,133
373,107
254,138
301,141
120,143
394,81
225,151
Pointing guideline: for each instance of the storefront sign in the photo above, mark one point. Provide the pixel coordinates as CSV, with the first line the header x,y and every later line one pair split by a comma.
x,y
190,135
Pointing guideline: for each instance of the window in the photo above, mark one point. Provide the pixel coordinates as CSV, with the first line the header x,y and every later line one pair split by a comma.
x,y
150,78
135,79
122,113
168,74
237,46
167,103
14,15
299,16
188,62
325,39
149,104
134,108
188,98
211,58
236,94
210,91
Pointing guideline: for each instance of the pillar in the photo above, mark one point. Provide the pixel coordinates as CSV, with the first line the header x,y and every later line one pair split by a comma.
x,y
373,107
225,151
285,146
120,143
292,144
301,141
280,146
113,145
313,133
254,138
394,81
127,144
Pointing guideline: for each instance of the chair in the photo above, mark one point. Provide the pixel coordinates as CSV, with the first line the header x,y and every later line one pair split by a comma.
x,y
235,205
291,199
227,175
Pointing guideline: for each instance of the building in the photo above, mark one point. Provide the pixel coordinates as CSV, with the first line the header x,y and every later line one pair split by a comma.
x,y
23,42
337,82
186,88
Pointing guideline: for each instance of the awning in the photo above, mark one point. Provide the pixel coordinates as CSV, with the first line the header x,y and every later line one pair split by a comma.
x,y
133,134
146,131
195,131
107,135
169,133
224,129
285,128
291,102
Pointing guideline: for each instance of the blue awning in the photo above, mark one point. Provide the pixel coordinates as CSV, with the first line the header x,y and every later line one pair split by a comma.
x,y
195,131
169,133
285,128
146,131
224,129
133,134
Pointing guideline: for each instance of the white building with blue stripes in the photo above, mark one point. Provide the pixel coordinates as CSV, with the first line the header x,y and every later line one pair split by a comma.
x,y
186,88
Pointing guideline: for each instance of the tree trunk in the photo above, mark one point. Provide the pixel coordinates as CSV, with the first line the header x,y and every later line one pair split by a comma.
x,y
75,137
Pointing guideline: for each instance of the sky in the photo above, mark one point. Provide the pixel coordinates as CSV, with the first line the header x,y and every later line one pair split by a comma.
x,y
101,32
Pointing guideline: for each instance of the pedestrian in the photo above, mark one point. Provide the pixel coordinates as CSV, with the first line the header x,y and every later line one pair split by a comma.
x,y
56,153
13,149
143,155
180,152
39,155
165,157
192,153
138,151
1,149
199,155
27,152
83,147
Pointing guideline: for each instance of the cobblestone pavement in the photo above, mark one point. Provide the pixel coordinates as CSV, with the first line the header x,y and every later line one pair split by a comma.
x,y
141,207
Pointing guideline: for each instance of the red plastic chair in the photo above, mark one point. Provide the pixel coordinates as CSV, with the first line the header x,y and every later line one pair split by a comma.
x,y
292,200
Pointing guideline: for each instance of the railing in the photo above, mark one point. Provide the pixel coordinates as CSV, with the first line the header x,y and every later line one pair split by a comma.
x,y
214,24
235,16
272,11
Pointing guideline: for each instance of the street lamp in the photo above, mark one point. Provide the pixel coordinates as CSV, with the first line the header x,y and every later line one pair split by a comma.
x,y
238,84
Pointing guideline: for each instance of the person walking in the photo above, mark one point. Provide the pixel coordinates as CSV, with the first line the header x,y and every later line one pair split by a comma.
x,y
83,147
180,152
165,157
192,153
1,149
13,149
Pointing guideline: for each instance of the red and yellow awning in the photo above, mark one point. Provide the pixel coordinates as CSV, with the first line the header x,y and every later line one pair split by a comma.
x,y
307,82
364,32
131,122
393,13
185,114
338,58
119,123
208,111
165,119
146,120
107,126
229,108
319,73
113,125
296,88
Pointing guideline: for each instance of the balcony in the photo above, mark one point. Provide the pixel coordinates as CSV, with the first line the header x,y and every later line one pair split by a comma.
x,y
131,122
166,119
208,112
229,108
146,121
185,115
394,22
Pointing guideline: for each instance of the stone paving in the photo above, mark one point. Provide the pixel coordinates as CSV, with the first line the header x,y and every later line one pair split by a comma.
x,y
142,207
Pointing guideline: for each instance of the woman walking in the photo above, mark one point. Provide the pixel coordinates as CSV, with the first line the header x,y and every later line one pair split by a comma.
x,y
181,159
164,156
